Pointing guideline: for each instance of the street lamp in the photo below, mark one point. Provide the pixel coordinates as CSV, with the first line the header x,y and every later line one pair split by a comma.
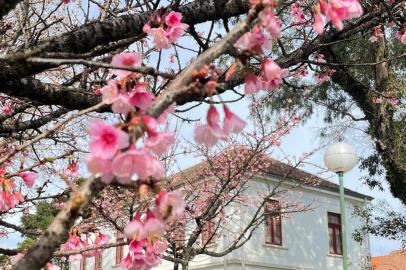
x,y
340,158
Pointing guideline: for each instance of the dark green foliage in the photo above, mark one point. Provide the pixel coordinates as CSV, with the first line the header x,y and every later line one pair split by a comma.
x,y
382,221
39,220
42,217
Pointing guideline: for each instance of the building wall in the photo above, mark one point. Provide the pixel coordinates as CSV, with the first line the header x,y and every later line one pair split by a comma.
x,y
305,237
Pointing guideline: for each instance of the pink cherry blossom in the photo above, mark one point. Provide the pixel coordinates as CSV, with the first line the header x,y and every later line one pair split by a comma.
x,y
155,168
252,84
161,40
271,70
154,227
170,205
142,99
127,261
101,239
99,166
320,58
120,99
297,13
109,92
339,10
72,170
174,32
254,41
318,24
131,60
8,109
106,139
301,72
211,133
138,162
376,34
144,254
164,37
151,258
401,36
29,178
122,104
50,266
150,123
135,230
393,101
129,163
232,123
159,142
173,18
74,242
9,200
270,22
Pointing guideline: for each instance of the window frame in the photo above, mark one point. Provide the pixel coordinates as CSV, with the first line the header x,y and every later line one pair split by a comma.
x,y
119,250
334,250
98,260
273,224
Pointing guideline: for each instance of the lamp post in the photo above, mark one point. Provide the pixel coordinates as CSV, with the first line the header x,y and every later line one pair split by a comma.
x,y
340,158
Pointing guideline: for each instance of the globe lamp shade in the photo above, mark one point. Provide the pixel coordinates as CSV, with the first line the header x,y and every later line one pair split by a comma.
x,y
340,157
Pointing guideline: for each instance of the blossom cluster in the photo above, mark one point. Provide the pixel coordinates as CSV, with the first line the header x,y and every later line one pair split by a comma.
x,y
376,34
129,151
85,241
256,42
210,133
401,35
165,30
147,247
114,152
9,196
336,11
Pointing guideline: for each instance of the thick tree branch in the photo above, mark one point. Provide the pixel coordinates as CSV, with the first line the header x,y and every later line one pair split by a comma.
x,y
97,33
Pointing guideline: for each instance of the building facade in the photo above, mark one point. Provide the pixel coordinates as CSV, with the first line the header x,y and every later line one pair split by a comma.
x,y
308,240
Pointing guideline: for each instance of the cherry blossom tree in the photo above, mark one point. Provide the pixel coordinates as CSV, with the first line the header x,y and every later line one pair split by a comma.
x,y
87,88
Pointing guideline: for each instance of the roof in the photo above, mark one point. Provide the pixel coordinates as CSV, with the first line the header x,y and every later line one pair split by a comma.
x,y
395,260
273,168
377,260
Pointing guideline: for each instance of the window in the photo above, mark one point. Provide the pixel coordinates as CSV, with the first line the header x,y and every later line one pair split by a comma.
x,y
273,223
334,231
83,263
119,249
98,261
207,235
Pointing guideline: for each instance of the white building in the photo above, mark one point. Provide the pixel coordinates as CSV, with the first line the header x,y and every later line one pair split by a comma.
x,y
305,240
